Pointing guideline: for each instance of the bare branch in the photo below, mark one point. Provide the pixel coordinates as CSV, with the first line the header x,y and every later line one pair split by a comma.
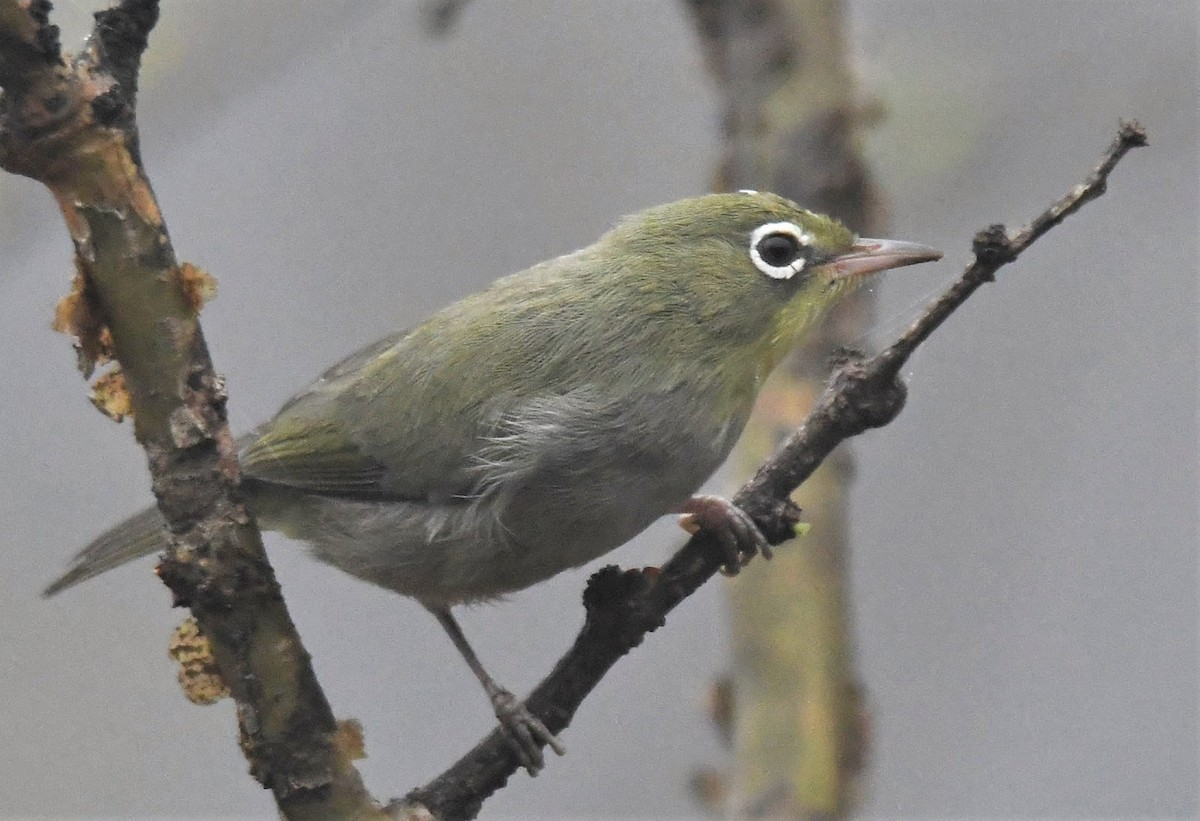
x,y
622,606
994,246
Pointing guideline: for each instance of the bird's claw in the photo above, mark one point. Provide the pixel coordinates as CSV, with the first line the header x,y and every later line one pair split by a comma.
x,y
738,535
524,732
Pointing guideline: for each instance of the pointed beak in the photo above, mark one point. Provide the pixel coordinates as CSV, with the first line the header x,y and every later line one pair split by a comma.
x,y
870,256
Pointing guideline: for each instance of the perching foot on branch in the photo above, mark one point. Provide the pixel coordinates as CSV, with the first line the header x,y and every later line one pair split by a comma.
x,y
524,732
732,527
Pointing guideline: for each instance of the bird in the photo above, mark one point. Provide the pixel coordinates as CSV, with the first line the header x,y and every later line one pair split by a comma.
x,y
536,425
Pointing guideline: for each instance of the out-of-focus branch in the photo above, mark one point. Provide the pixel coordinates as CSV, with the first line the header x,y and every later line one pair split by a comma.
x,y
441,15
69,122
622,606
791,122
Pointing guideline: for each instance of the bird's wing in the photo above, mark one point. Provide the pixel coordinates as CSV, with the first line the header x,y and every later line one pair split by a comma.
x,y
407,418
357,434
316,456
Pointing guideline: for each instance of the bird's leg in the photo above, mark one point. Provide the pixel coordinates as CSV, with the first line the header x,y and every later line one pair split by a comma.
x,y
734,530
524,731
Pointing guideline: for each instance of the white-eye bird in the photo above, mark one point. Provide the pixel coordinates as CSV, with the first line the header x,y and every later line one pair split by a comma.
x,y
538,424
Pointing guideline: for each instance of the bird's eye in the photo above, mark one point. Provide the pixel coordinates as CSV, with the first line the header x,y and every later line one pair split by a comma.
x,y
778,249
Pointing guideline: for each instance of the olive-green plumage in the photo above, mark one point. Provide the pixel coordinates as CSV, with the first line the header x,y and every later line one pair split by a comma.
x,y
535,425
626,318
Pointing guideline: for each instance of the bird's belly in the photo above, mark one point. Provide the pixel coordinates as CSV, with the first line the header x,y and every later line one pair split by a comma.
x,y
563,489
473,550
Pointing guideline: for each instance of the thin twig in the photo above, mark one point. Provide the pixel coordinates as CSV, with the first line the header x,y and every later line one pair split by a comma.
x,y
994,246
622,606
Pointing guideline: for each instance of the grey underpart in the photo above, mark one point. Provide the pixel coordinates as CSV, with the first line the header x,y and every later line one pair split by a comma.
x,y
553,484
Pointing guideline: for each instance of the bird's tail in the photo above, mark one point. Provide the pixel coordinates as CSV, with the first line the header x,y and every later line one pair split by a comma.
x,y
138,536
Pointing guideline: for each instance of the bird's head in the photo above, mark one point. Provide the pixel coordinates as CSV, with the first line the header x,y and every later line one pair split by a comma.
x,y
753,271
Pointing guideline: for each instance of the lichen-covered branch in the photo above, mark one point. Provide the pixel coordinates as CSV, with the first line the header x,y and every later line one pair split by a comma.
x,y
622,606
69,121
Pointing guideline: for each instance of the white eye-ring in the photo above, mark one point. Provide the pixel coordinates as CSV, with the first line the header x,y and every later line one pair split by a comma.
x,y
777,249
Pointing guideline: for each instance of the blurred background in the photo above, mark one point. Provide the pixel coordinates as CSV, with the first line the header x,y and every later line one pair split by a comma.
x,y
1024,559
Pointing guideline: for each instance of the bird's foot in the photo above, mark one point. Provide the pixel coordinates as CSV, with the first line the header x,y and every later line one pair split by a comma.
x,y
524,732
732,527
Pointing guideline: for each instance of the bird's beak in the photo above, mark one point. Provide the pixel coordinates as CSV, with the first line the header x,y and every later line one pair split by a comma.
x,y
870,256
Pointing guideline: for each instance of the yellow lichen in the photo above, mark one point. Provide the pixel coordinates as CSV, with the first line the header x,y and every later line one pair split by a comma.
x,y
76,314
110,395
137,187
198,674
198,285
348,740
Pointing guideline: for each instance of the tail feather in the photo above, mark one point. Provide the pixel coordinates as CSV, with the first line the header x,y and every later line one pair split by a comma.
x,y
138,536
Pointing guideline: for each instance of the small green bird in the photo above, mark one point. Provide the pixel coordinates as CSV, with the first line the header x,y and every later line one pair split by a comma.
x,y
538,424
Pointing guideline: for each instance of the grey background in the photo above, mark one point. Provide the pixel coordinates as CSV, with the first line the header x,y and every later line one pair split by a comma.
x,y
1025,552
